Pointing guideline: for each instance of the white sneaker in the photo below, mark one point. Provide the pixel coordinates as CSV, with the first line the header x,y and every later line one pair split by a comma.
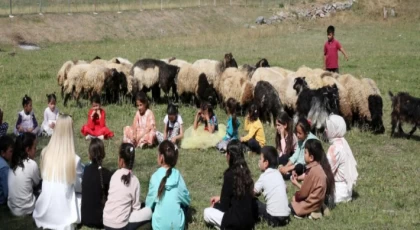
x,y
88,137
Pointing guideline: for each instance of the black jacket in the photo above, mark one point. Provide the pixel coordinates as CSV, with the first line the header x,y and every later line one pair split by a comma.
x,y
239,213
92,205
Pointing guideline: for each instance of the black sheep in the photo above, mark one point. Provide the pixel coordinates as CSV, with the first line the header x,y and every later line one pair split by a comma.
x,y
405,108
205,91
268,101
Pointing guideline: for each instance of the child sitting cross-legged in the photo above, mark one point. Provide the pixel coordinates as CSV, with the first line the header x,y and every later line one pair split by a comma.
x,y
318,183
276,211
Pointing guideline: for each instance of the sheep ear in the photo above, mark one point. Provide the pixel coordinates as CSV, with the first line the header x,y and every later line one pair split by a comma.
x,y
390,94
117,61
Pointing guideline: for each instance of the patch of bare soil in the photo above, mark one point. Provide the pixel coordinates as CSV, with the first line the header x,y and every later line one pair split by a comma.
x,y
57,28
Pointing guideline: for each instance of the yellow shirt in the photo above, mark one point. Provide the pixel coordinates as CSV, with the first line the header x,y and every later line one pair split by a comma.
x,y
255,130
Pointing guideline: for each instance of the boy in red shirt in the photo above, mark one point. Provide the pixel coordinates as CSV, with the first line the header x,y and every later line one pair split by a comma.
x,y
331,49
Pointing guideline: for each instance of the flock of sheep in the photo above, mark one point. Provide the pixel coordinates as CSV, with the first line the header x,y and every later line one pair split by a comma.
x,y
311,93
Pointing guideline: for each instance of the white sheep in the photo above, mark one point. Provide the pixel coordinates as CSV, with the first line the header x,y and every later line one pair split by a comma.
x,y
62,73
75,75
234,83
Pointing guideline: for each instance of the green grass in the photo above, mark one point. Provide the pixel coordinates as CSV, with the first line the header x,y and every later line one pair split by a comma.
x,y
384,51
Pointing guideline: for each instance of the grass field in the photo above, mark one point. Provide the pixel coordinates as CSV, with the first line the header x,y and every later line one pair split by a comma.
x,y
388,188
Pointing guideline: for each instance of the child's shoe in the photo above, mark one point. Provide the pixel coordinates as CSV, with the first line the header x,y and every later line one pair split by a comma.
x,y
88,137
315,215
101,137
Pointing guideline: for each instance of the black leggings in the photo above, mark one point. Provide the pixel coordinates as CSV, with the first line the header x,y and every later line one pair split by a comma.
x,y
273,221
253,145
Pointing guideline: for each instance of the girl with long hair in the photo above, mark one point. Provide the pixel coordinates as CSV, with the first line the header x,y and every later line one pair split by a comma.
x,y
168,195
23,176
255,139
206,131
123,208
297,160
285,139
50,116
318,182
95,185
174,130
58,205
143,131
235,208
232,125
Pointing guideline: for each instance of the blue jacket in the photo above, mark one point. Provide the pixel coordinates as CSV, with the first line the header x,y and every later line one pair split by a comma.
x,y
168,211
231,133
298,156
4,173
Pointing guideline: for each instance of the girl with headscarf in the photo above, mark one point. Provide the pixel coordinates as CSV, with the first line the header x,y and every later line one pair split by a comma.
x,y
341,159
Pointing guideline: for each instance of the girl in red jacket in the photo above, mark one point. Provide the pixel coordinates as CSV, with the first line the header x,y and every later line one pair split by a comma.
x,y
96,126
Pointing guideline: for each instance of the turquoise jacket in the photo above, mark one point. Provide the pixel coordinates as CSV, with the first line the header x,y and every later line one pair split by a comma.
x,y
231,132
168,212
298,156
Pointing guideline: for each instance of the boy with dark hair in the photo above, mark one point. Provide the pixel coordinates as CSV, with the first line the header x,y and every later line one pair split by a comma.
x,y
276,212
331,49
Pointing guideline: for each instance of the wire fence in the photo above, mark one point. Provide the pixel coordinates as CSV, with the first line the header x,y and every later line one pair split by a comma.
x,y
20,7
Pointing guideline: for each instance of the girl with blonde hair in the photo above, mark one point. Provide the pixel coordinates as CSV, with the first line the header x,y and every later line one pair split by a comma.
x,y
58,205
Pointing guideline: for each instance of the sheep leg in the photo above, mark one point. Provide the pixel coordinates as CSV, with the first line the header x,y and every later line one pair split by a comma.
x,y
412,131
62,92
66,98
156,93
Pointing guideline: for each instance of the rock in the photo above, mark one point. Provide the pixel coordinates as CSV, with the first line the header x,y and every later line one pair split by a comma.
x,y
260,20
392,13
322,15
274,18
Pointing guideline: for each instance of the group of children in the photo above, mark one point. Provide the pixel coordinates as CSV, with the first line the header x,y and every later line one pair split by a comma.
x,y
99,198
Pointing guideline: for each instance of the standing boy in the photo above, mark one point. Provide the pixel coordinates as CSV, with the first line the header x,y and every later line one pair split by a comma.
x,y
276,212
331,49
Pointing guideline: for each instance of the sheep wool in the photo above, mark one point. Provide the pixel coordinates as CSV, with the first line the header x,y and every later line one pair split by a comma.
x,y
211,68
344,100
235,84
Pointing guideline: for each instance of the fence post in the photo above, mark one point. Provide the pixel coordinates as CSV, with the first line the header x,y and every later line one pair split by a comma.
x,y
40,7
94,7
69,13
199,3
119,7
140,5
214,2
10,15
230,2
161,4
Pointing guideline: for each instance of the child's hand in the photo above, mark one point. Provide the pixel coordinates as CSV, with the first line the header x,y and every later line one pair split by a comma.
x,y
30,130
214,200
283,170
20,129
173,140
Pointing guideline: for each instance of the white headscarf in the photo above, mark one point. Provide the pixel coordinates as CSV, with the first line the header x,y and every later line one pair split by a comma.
x,y
336,129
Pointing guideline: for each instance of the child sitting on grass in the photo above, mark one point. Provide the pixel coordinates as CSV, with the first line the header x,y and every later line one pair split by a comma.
x,y
318,183
173,126
6,152
143,131
123,209
168,195
96,125
50,116
232,126
26,119
206,131
95,185
255,139
271,184
24,176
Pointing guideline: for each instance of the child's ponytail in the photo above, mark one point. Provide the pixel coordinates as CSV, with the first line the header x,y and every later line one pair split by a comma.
x,y
97,154
231,106
127,154
170,156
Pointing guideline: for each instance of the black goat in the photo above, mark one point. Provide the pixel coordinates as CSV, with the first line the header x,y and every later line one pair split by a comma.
x,y
315,104
405,108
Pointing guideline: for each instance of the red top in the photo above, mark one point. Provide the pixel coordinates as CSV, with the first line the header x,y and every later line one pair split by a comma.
x,y
331,49
96,123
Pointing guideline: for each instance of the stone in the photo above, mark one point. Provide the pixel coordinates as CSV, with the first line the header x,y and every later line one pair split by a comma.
x,y
260,20
392,13
322,15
